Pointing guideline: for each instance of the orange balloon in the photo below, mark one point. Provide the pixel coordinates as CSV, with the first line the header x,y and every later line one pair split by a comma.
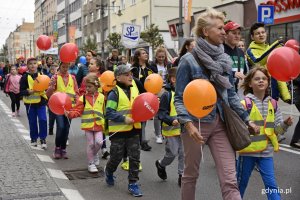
x,y
153,83
199,97
41,83
107,80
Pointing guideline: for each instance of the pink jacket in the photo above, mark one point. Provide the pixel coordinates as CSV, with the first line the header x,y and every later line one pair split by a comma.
x,y
13,83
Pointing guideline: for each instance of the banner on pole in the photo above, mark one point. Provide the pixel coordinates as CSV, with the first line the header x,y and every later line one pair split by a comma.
x,y
130,35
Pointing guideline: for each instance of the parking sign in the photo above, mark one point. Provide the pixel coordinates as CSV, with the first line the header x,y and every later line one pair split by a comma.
x,y
265,14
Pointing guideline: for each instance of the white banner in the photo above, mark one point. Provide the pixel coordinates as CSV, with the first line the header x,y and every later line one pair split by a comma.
x,y
130,35
52,51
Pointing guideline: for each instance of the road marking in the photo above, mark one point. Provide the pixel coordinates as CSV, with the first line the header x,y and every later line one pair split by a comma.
x,y
45,158
23,130
72,194
285,145
20,126
55,173
289,150
26,137
37,148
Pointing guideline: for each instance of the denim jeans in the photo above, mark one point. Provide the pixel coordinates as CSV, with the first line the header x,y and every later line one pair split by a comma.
x,y
266,169
62,131
37,119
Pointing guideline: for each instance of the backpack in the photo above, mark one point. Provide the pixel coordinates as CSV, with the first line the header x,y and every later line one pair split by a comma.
x,y
249,104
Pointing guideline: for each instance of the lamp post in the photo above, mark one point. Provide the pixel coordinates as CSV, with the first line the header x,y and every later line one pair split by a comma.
x,y
180,29
102,8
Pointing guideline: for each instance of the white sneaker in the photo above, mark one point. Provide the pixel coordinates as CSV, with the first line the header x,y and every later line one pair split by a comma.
x,y
92,168
159,140
67,143
96,160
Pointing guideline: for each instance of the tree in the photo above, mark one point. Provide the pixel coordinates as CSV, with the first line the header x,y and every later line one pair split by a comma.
x,y
152,36
89,45
113,41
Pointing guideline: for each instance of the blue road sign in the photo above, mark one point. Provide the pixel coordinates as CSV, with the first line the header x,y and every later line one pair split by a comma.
x,y
265,14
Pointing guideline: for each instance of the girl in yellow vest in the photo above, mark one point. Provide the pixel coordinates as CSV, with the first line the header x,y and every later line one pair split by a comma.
x,y
124,132
35,103
170,130
90,107
268,119
63,82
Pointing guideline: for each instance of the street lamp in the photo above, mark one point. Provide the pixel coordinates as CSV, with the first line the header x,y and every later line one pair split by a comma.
x,y
102,8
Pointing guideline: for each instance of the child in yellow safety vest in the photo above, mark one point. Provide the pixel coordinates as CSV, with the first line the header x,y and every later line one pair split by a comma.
x,y
170,129
63,82
266,115
90,107
124,132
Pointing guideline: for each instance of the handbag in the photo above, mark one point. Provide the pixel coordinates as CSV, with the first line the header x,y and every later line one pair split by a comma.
x,y
236,130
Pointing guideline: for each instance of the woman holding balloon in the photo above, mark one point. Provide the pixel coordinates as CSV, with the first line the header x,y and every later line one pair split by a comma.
x,y
207,61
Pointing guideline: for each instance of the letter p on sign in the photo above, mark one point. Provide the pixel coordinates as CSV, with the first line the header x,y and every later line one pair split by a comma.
x,y
265,14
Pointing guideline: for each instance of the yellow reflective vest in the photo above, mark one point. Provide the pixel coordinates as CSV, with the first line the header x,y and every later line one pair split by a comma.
x,y
124,107
93,114
69,89
169,131
36,96
260,142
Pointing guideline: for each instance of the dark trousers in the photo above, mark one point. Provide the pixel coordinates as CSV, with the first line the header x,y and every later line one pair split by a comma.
x,y
15,101
52,118
117,148
37,114
62,131
296,136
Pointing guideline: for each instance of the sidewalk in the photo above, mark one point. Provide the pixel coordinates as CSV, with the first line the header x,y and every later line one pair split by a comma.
x,y
22,175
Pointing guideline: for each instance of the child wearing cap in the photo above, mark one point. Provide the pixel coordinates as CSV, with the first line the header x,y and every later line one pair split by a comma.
x,y
35,103
124,132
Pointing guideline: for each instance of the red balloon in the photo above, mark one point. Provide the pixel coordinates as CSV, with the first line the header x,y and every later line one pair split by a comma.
x,y
294,44
0,78
43,42
68,52
144,107
22,69
60,102
284,64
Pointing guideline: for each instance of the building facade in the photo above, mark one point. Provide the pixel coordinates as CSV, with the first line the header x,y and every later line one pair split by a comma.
x,y
20,42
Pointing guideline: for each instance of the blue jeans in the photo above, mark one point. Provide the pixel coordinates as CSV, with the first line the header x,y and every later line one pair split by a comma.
x,y
266,168
35,115
62,131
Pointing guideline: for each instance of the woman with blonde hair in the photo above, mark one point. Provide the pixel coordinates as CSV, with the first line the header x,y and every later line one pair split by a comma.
x,y
208,61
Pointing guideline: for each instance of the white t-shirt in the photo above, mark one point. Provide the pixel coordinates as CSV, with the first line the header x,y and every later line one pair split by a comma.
x,y
161,70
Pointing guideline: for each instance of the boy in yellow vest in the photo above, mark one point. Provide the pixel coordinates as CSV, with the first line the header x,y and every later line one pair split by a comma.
x,y
35,103
63,82
264,112
170,129
124,132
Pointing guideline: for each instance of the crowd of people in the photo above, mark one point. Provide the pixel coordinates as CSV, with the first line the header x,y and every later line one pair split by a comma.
x,y
217,54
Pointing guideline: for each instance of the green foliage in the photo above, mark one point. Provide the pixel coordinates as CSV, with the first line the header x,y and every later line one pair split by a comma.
x,y
89,45
113,41
152,36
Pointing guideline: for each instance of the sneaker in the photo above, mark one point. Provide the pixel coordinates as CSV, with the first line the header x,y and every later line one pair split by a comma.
x,y
43,144
96,159
145,146
179,180
33,143
135,190
13,114
105,154
68,143
64,154
159,140
109,178
57,153
161,171
18,113
295,145
125,165
50,131
140,167
280,138
92,168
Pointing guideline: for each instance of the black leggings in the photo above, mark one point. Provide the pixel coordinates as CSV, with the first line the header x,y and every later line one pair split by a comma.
x,y
15,100
296,135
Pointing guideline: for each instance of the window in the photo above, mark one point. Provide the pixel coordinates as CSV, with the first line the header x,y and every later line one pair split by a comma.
x,y
98,12
92,17
145,22
85,2
276,32
122,4
133,21
113,5
114,29
98,37
85,20
133,2
105,34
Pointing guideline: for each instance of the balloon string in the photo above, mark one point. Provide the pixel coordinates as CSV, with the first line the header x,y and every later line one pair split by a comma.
x,y
292,94
199,127
69,122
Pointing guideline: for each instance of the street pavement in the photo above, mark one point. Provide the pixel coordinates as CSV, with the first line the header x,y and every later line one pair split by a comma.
x,y
40,182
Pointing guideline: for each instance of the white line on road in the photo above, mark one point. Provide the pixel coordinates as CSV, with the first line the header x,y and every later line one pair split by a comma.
x,y
285,145
20,125
44,158
26,137
57,174
289,150
72,194
23,130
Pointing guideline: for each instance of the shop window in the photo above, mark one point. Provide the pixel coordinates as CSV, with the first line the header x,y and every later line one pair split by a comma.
x,y
293,31
276,32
